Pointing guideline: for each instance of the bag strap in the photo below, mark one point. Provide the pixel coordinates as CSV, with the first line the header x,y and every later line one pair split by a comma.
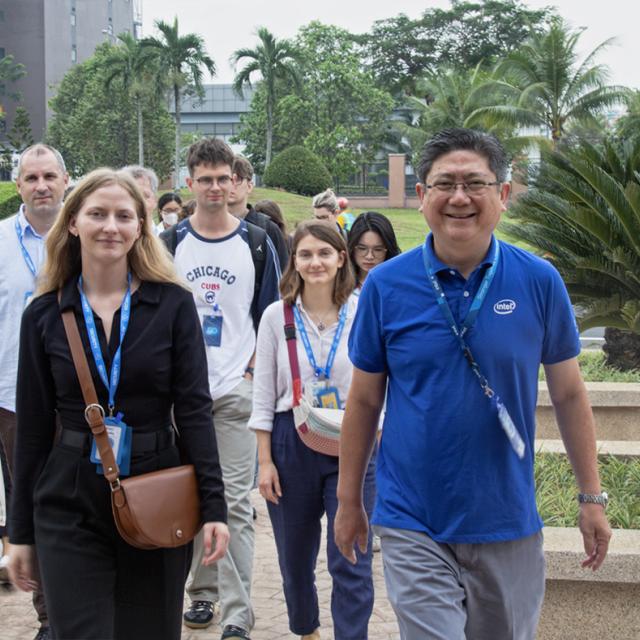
x,y
93,413
292,350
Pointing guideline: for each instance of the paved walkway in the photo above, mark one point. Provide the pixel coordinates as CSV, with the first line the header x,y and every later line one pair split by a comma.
x,y
17,619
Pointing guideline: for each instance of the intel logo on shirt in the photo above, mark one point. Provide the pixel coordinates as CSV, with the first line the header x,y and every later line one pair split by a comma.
x,y
504,307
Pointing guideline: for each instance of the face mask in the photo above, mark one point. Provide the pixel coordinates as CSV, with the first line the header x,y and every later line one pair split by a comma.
x,y
170,218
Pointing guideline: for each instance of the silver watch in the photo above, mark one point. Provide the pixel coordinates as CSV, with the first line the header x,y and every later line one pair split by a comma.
x,y
595,498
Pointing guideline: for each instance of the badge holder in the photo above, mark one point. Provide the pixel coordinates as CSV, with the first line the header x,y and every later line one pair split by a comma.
x,y
120,437
212,328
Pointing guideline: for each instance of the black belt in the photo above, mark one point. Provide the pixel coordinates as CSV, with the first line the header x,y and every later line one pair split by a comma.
x,y
141,442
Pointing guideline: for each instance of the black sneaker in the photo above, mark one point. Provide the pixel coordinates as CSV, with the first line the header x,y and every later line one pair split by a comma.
x,y
199,615
231,632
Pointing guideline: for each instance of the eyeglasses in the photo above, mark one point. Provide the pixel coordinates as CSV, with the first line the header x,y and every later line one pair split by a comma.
x,y
362,251
208,181
475,187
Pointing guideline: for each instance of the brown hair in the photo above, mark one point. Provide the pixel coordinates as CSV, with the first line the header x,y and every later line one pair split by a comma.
x,y
242,168
271,209
291,284
210,151
148,259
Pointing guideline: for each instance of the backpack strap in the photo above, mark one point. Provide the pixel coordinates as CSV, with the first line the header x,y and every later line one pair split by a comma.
x,y
258,246
170,238
290,336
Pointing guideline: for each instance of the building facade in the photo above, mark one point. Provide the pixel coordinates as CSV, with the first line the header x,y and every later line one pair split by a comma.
x,y
48,37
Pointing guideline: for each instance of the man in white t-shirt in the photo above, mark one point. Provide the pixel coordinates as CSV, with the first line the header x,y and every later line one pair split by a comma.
x,y
41,182
232,269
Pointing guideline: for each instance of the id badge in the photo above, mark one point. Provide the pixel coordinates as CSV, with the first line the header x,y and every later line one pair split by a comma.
x,y
516,441
212,330
27,299
312,391
329,398
120,436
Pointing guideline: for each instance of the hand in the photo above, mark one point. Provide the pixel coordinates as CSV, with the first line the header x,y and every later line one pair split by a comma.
x,y
217,532
269,482
22,566
596,534
351,526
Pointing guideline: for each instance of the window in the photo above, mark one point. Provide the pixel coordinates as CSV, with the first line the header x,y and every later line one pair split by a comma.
x,y
73,19
74,54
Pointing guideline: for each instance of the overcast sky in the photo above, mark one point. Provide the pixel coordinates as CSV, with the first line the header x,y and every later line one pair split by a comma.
x,y
227,27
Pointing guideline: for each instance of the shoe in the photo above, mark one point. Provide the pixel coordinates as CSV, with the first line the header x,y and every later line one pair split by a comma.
x,y
375,544
4,569
312,636
231,632
199,615
43,634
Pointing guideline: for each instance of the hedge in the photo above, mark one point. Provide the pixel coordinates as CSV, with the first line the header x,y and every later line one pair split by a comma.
x,y
297,170
10,200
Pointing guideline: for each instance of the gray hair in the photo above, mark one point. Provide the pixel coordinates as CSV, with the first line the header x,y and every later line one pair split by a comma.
x,y
457,139
41,149
136,172
327,200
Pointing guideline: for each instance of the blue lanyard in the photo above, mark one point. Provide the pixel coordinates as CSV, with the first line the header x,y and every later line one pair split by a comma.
x,y
319,371
25,254
125,313
476,305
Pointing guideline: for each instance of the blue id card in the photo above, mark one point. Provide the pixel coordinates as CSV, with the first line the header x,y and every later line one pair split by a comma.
x,y
212,330
515,440
120,436
329,398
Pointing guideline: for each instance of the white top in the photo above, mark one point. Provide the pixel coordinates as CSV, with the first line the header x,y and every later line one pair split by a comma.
x,y
221,272
272,380
16,281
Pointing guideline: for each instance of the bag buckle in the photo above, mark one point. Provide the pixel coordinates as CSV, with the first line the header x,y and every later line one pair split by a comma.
x,y
290,331
115,485
89,407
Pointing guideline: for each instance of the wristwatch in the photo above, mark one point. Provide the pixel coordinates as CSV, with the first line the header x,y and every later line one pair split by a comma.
x,y
594,498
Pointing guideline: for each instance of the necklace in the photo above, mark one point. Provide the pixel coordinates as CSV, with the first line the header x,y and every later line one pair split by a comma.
x,y
320,320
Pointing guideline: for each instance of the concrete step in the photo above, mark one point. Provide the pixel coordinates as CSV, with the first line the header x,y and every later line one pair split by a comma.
x,y
618,448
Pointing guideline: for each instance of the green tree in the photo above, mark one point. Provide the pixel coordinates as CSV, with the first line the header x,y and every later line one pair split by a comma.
x,y
93,125
582,212
545,85
19,138
135,69
10,72
274,60
400,49
629,124
339,114
181,58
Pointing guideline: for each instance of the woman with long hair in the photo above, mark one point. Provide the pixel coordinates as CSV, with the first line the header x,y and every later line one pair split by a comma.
x,y
299,483
142,337
371,241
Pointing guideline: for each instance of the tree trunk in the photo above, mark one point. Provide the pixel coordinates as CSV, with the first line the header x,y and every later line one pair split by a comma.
x,y
176,158
267,158
622,349
140,134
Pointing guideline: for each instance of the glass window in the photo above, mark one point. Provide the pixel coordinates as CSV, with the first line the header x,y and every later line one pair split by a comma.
x,y
74,54
73,19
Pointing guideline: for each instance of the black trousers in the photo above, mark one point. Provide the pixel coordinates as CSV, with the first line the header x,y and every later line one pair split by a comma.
x,y
96,585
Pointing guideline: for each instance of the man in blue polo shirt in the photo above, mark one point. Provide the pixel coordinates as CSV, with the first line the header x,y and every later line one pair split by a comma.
x,y
458,328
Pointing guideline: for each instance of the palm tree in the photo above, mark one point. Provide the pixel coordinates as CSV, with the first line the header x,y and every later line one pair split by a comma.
x,y
451,97
546,87
134,67
181,57
582,212
275,60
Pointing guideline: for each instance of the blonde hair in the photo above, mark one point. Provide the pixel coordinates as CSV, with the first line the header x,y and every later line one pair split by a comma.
x,y
148,258
291,284
326,200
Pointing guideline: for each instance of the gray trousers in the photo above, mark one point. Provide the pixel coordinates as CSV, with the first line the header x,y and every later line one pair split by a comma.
x,y
229,580
491,591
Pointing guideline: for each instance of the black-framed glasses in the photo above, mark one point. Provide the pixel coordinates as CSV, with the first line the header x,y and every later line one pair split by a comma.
x,y
362,250
208,181
475,187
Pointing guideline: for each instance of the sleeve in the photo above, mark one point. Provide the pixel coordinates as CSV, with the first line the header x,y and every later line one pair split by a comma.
x,y
269,291
265,378
561,333
193,408
35,428
367,350
279,244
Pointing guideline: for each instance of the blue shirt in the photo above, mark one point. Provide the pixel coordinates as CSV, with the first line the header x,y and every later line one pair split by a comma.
x,y
17,285
445,466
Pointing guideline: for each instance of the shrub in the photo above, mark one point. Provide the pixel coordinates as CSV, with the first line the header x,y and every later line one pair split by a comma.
x,y
10,200
298,170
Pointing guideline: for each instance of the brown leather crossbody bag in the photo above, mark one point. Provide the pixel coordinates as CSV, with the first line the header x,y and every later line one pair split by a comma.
x,y
154,510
